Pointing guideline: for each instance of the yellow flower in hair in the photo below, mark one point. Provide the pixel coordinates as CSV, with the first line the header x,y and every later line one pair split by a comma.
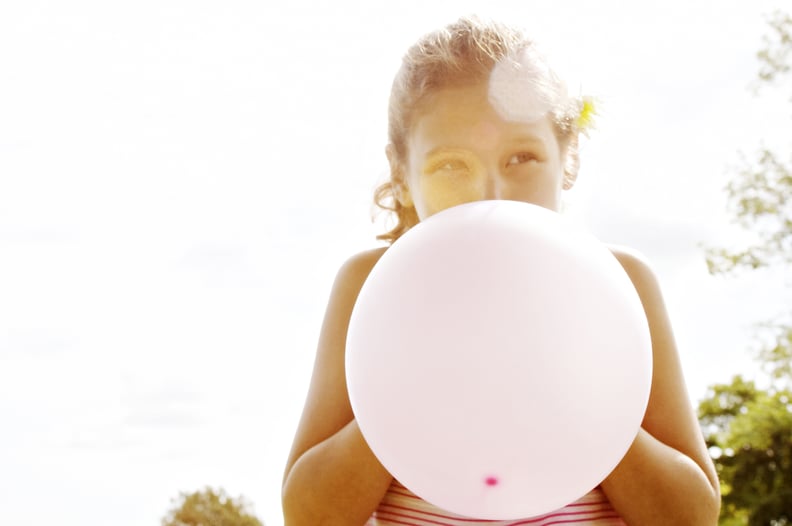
x,y
585,119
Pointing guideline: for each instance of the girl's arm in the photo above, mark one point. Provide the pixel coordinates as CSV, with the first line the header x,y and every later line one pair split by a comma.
x,y
332,477
667,476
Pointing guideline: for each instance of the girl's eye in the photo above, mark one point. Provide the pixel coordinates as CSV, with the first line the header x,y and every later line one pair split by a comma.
x,y
451,165
520,158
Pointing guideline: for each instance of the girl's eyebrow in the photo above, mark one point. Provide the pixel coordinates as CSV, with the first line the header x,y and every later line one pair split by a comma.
x,y
527,138
446,150
519,140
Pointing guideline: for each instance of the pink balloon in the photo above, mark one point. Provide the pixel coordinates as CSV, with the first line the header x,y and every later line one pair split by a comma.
x,y
498,360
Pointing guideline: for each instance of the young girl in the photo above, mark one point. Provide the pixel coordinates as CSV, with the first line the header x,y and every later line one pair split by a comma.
x,y
475,113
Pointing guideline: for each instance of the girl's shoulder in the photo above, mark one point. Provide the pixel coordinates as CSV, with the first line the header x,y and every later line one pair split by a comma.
x,y
646,283
366,258
356,269
627,255
347,284
636,265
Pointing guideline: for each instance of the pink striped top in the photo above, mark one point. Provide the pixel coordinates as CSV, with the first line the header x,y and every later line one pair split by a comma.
x,y
400,506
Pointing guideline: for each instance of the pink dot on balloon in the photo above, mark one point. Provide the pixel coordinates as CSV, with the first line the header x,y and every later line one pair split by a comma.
x,y
491,481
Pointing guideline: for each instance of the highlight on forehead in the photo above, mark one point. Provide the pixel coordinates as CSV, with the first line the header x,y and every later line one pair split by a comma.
x,y
523,88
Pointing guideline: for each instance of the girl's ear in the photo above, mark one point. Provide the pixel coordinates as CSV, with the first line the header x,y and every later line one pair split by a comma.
x,y
398,184
571,163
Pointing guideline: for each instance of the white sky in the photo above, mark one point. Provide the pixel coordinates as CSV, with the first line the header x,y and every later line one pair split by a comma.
x,y
179,182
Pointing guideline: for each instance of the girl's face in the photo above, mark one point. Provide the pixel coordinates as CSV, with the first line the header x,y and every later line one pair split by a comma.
x,y
460,149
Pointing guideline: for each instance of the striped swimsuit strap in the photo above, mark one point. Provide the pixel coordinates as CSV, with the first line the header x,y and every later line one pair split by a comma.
x,y
400,507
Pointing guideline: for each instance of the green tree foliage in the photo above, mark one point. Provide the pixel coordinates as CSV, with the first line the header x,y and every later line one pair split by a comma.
x,y
749,430
760,200
760,196
776,57
749,433
777,355
210,508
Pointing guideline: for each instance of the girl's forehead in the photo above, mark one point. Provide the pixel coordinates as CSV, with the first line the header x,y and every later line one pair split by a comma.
x,y
520,88
466,115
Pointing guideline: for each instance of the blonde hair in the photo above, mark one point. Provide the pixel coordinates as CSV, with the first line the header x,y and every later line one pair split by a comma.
x,y
462,53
